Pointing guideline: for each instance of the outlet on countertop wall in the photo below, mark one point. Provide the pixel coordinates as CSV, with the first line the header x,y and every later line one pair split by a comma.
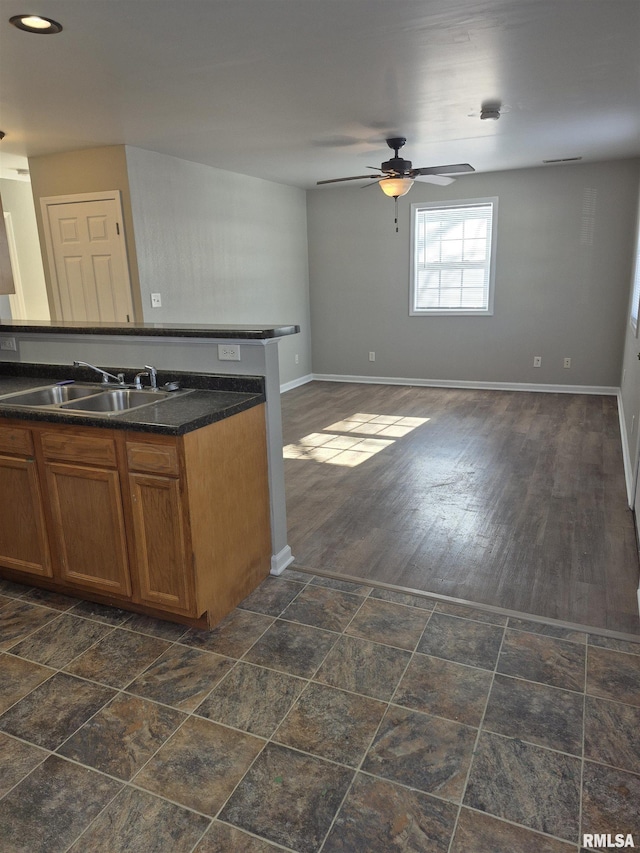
x,y
229,352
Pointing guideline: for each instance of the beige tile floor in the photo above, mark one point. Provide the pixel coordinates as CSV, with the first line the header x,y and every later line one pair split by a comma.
x,y
322,716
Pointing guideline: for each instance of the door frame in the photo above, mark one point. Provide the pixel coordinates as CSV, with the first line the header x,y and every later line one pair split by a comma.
x,y
634,503
50,201
16,299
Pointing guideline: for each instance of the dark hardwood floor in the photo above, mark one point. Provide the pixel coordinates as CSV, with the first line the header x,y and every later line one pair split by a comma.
x,y
507,498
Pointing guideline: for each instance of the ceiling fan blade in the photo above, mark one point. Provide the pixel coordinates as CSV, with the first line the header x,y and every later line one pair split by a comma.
x,y
438,180
353,178
451,169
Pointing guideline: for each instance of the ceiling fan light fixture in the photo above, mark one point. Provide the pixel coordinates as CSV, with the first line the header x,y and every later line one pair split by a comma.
x,y
396,187
36,24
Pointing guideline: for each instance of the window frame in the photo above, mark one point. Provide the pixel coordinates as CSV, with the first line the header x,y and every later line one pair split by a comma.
x,y
453,312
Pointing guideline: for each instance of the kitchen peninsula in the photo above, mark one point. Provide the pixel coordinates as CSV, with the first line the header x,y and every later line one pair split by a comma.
x,y
233,402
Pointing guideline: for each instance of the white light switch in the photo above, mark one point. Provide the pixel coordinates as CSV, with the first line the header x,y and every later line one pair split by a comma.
x,y
156,300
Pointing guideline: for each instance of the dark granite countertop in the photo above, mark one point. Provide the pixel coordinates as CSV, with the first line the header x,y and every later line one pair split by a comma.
x,y
160,330
213,398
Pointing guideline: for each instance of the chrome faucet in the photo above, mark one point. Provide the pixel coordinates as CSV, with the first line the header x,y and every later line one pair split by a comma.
x,y
137,379
153,376
149,371
106,376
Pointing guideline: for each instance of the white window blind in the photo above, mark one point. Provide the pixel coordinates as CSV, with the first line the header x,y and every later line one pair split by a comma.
x,y
453,258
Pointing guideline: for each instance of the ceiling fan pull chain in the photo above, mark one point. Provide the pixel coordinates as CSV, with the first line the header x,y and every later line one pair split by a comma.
x,y
396,200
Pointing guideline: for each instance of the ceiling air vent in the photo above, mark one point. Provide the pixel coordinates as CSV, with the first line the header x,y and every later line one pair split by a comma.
x,y
562,160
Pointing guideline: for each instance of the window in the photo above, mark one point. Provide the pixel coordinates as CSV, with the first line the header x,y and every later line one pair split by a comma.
x,y
453,257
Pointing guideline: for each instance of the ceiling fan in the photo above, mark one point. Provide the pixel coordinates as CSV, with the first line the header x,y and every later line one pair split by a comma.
x,y
397,175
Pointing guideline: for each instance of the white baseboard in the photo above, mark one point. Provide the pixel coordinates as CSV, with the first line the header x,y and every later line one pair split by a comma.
x,y
626,452
281,560
607,390
296,383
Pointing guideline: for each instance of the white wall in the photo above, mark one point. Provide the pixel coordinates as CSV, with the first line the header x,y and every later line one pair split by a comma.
x,y
18,201
630,380
562,281
221,248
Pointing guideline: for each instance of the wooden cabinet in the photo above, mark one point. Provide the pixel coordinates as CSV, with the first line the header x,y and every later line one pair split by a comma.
x,y
23,540
225,469
200,516
162,525
88,533
162,556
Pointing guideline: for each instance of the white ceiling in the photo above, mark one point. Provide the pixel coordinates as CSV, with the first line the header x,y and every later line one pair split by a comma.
x,y
296,91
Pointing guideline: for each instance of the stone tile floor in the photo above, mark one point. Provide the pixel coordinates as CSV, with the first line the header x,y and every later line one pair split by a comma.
x,y
319,716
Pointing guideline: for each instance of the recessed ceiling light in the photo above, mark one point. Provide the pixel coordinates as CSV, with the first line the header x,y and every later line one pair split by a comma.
x,y
35,24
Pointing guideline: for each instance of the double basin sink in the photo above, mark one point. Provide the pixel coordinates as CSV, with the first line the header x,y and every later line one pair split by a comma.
x,y
86,398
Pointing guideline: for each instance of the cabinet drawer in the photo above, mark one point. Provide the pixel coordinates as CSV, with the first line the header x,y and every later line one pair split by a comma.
x,y
85,449
152,458
16,440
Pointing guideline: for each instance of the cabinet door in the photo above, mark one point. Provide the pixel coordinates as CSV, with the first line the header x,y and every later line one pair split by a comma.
x,y
89,526
164,568
23,541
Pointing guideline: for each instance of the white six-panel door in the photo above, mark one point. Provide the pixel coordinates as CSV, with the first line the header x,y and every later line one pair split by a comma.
x,y
87,257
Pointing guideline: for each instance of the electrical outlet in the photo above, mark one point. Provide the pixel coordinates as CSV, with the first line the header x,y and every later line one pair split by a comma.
x,y
8,344
156,300
537,361
567,362
372,356
296,358
229,352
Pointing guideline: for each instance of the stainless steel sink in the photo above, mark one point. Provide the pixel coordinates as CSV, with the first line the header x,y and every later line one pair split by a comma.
x,y
51,395
117,400
87,398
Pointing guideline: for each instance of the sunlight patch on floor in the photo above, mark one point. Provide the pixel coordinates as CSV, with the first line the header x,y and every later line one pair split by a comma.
x,y
344,442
